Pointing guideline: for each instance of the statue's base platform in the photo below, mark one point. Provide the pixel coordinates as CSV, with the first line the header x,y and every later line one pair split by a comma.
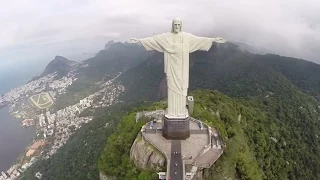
x,y
201,149
176,128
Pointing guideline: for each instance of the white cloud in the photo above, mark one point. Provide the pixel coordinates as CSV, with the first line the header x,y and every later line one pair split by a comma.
x,y
287,27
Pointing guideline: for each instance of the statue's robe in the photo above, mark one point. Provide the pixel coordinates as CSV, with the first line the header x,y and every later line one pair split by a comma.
x,y
176,49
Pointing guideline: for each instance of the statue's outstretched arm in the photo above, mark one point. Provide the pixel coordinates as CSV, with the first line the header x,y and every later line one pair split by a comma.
x,y
218,40
149,43
202,43
134,40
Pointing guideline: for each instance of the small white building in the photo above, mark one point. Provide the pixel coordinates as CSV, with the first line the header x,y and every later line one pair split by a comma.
x,y
4,175
38,175
162,175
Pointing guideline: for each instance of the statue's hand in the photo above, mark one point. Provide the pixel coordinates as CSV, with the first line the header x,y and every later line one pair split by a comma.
x,y
134,40
220,40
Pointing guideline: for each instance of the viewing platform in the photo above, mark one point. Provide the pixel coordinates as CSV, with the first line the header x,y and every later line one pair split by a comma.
x,y
199,151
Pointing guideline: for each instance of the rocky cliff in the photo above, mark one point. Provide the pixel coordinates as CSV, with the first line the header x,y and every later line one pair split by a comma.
x,y
145,156
105,177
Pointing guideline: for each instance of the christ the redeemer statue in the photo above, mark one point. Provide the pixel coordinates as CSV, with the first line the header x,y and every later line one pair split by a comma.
x,y
176,46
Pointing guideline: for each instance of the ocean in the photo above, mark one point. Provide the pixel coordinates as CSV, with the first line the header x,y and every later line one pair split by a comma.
x,y
13,138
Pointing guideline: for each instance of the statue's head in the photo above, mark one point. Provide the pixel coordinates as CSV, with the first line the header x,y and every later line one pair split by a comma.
x,y
176,25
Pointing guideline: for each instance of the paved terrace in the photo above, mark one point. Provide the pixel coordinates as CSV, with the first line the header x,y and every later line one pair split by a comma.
x,y
196,150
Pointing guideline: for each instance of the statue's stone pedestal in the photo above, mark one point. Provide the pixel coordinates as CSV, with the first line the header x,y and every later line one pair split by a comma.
x,y
176,128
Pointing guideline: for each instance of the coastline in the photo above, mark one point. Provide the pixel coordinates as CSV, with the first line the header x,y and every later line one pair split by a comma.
x,y
22,106
15,140
22,137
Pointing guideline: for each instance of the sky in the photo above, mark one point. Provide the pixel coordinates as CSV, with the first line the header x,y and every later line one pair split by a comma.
x,y
35,31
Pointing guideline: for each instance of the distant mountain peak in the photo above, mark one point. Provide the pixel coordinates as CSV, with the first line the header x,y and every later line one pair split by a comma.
x,y
60,61
109,43
60,58
58,64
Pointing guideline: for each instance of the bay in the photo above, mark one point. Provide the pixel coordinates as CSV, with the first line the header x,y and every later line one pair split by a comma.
x,y
13,139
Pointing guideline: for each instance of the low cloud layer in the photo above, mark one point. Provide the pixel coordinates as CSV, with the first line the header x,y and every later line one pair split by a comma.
x,y
34,27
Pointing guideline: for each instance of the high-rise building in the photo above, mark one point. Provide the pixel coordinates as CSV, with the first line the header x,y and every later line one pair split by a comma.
x,y
4,175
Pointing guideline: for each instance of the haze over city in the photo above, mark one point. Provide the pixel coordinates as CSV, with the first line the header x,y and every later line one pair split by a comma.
x,y
38,30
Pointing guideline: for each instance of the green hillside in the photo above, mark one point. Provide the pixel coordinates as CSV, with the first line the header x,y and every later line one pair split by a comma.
x,y
262,145
238,160
282,146
116,155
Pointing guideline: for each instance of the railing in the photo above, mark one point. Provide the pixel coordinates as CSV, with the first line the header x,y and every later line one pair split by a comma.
x,y
148,113
210,137
183,170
